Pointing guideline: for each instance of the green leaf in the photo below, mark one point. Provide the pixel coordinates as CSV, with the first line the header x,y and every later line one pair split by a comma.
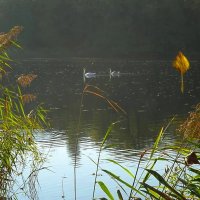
x,y
162,180
183,181
148,174
119,195
196,171
107,134
194,190
155,146
22,109
5,58
105,189
6,64
161,194
196,179
151,194
122,181
6,54
192,187
15,44
124,168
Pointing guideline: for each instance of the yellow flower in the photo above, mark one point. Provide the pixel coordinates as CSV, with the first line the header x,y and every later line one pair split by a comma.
x,y
182,64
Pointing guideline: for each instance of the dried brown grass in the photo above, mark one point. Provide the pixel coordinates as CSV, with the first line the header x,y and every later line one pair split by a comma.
x,y
7,38
191,127
25,80
27,98
100,93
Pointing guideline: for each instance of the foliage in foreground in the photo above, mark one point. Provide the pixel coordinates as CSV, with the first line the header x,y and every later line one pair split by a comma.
x,y
179,179
17,124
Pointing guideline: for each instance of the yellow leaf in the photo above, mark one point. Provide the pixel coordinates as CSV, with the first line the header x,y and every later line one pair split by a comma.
x,y
182,64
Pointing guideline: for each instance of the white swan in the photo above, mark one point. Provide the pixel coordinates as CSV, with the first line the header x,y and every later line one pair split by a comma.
x,y
114,73
89,74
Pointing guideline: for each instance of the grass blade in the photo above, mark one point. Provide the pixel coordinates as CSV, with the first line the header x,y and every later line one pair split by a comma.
x,y
124,168
161,194
5,58
15,44
106,190
196,171
119,195
107,134
148,174
162,180
122,181
155,146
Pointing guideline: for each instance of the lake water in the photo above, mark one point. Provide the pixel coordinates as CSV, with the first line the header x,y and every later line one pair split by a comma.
x,y
149,92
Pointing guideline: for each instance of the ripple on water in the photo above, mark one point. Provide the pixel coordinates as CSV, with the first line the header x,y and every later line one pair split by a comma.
x,y
51,138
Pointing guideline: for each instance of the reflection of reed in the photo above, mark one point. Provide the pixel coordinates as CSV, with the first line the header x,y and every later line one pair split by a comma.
x,y
143,100
99,93
136,131
73,147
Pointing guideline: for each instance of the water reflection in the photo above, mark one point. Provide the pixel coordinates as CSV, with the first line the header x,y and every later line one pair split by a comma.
x,y
148,91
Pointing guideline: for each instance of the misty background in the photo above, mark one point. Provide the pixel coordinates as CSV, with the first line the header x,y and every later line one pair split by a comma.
x,y
105,28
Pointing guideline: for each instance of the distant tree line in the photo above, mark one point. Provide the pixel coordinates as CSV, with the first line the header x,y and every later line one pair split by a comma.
x,y
112,28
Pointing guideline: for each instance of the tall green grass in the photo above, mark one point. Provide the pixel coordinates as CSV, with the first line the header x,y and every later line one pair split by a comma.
x,y
17,126
178,180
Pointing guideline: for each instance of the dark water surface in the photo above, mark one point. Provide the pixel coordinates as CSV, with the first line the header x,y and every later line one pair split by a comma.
x,y
149,91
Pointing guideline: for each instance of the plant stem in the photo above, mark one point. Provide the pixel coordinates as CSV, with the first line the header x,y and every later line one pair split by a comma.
x,y
95,180
182,85
135,177
172,167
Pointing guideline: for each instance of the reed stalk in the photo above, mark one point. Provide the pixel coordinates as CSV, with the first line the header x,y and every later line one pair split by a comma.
x,y
130,195
17,126
99,154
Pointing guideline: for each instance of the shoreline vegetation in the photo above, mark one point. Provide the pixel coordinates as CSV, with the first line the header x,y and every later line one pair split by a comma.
x,y
19,120
179,179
